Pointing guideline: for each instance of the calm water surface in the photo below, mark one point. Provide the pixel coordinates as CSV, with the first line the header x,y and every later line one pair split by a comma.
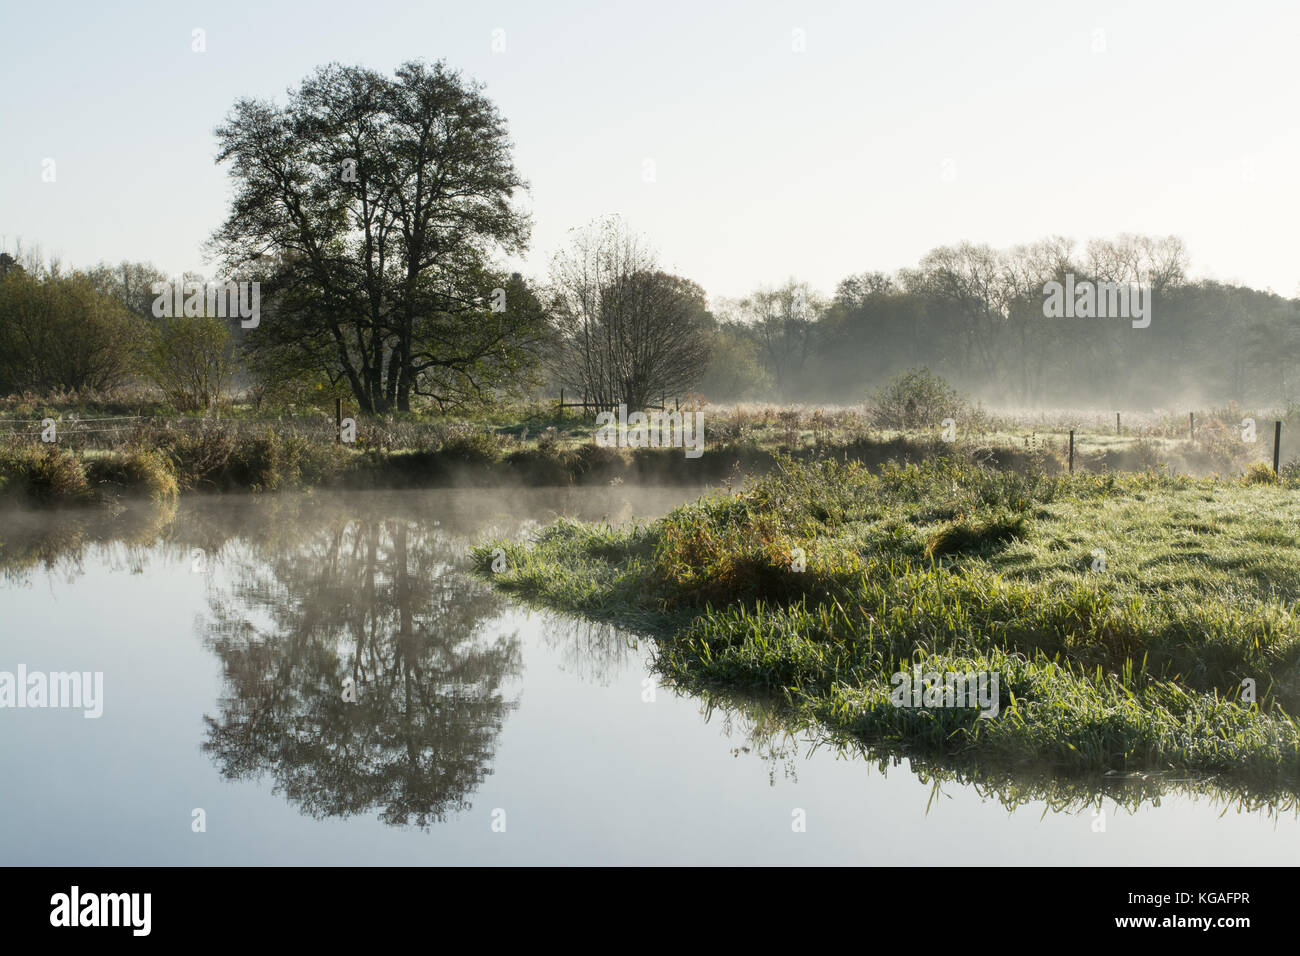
x,y
483,732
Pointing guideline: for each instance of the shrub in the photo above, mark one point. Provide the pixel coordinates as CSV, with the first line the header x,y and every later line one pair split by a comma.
x,y
60,331
1260,474
548,442
469,446
596,463
200,457
259,462
218,456
543,465
43,473
918,398
1146,455
191,360
134,470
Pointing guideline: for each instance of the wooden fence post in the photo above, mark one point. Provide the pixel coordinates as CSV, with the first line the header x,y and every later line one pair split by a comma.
x,y
1191,425
1071,451
1277,445
1117,423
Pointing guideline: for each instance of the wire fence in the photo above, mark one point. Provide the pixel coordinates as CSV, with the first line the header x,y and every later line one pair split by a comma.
x,y
110,432
10,427
67,430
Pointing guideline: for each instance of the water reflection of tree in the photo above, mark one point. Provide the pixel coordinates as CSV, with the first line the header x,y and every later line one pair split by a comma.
x,y
379,602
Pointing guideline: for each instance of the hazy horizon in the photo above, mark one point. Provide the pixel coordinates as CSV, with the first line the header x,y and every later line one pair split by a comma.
x,y
883,138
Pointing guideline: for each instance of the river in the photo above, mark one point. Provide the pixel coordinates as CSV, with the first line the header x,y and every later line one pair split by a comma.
x,y
318,679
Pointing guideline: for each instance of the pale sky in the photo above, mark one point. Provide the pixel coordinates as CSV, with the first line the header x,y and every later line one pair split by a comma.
x,y
902,125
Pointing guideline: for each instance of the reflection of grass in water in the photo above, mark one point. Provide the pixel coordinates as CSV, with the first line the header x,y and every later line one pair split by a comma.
x,y
775,732
60,540
590,650
765,730
1120,647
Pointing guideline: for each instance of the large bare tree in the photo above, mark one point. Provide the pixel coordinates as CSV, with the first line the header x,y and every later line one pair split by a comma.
x,y
629,332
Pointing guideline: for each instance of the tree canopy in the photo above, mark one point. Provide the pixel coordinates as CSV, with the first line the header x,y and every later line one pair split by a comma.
x,y
371,208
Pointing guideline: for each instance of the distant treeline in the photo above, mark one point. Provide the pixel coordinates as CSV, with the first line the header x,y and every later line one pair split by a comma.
x,y
975,315
971,313
93,330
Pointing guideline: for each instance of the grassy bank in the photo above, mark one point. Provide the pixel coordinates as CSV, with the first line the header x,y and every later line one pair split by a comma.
x,y
112,449
161,460
1122,613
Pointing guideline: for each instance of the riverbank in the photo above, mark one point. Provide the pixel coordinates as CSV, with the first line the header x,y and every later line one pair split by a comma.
x,y
262,459
1136,623
106,452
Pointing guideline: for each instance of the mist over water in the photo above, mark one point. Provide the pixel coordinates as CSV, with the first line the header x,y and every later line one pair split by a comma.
x,y
226,629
